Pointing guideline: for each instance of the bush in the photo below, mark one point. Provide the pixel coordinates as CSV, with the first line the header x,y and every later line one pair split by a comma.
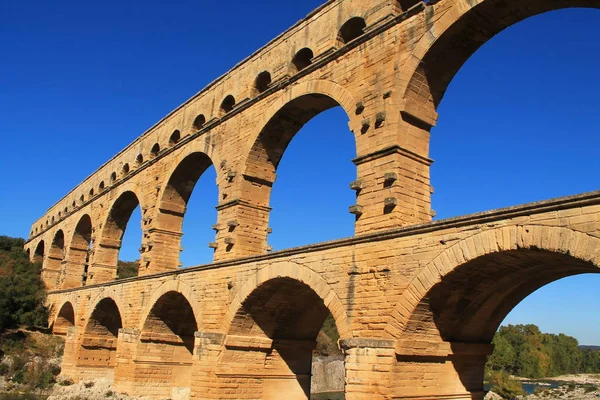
x,y
505,385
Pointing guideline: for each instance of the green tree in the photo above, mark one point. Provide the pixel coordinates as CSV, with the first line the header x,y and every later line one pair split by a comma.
x,y
22,292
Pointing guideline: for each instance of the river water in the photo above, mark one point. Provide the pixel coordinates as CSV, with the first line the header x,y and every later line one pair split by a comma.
x,y
528,387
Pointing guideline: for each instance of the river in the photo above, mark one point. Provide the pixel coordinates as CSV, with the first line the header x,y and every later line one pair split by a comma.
x,y
528,387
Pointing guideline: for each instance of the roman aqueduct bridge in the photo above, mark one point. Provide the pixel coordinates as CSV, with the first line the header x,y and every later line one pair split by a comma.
x,y
416,302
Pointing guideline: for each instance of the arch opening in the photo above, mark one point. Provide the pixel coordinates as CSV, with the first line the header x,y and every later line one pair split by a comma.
x,y
168,336
263,80
76,268
199,122
175,138
227,104
462,312
310,115
64,320
468,76
98,347
184,209
352,29
38,254
279,326
110,244
155,150
52,270
302,59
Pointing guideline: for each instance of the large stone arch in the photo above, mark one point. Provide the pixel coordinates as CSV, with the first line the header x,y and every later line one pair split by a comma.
x,y
65,318
539,238
188,167
337,94
108,243
167,333
277,316
107,293
454,35
52,265
177,286
301,274
96,355
77,253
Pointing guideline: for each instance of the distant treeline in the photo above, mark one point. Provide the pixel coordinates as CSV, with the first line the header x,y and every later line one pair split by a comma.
x,y
523,350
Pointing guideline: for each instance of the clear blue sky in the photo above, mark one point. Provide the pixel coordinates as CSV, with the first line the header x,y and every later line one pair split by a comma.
x,y
79,81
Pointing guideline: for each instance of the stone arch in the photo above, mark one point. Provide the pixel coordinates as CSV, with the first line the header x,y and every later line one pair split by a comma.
x,y
455,36
78,253
287,114
172,205
167,333
65,319
351,29
297,273
53,263
273,322
178,286
39,253
98,347
106,253
522,244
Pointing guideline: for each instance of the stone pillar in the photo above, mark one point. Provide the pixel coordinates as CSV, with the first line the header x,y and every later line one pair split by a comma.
x,y
72,274
241,227
260,368
51,271
68,367
443,370
392,190
208,347
368,365
161,252
104,264
392,187
127,343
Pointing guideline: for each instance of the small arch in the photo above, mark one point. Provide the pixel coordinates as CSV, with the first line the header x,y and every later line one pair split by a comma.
x,y
66,210
352,29
101,186
52,220
263,80
91,192
139,160
227,104
74,204
175,137
199,121
155,150
82,199
59,214
113,177
302,59
125,170
65,319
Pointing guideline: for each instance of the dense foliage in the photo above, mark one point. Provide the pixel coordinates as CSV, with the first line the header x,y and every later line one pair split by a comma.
x,y
22,292
523,350
127,269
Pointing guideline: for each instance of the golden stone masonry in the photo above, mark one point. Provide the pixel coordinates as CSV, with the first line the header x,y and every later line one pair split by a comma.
x,y
416,302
